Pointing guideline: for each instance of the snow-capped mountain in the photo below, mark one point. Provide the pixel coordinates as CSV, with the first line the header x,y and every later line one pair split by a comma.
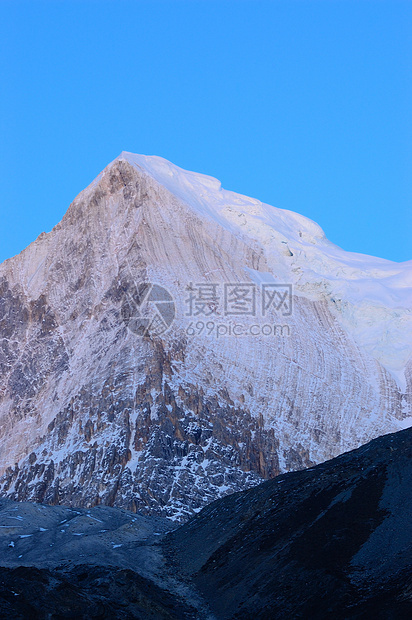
x,y
170,342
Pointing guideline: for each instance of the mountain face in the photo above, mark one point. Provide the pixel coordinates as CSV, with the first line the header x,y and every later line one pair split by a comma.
x,y
170,342
330,541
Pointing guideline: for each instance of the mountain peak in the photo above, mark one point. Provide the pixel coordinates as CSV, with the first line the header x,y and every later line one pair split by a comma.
x,y
144,364
368,295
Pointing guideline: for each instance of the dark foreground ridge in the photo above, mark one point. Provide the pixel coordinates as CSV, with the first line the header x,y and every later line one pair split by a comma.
x,y
331,541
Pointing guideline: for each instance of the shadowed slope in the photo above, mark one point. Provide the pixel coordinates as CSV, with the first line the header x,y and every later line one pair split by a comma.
x,y
336,539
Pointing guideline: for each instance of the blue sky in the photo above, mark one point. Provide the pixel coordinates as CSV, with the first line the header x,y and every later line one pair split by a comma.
x,y
303,104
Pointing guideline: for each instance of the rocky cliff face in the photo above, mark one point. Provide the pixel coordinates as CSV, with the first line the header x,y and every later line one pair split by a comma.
x,y
169,343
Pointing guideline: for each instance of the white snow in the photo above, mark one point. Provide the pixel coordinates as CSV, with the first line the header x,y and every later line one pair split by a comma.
x,y
371,297
95,518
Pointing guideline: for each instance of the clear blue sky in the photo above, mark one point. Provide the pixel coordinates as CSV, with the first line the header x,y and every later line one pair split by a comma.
x,y
306,105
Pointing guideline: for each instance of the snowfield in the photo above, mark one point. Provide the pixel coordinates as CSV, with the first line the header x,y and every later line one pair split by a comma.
x,y
371,297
